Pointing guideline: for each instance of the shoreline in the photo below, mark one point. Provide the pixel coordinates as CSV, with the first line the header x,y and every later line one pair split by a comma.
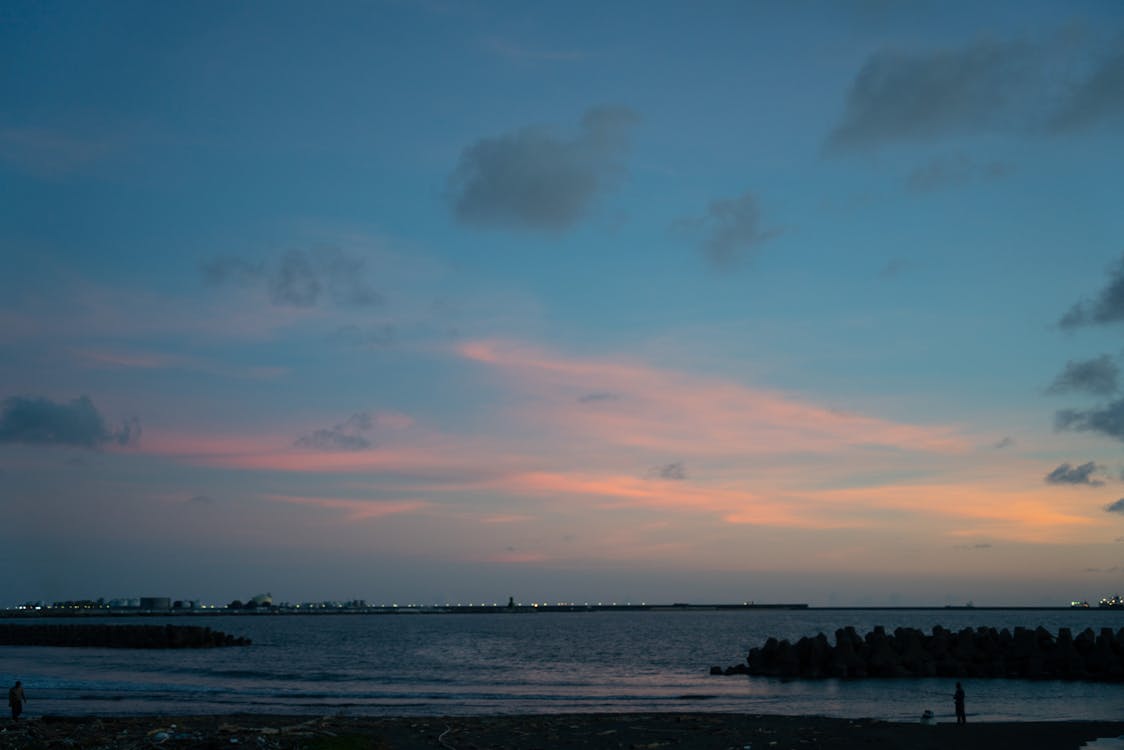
x,y
594,731
499,609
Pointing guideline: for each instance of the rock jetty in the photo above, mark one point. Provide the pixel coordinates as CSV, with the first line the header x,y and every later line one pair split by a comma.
x,y
972,652
117,636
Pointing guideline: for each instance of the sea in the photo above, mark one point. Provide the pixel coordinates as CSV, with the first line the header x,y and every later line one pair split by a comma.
x,y
535,662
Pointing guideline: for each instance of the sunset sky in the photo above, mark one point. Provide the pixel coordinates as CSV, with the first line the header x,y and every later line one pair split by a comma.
x,y
450,301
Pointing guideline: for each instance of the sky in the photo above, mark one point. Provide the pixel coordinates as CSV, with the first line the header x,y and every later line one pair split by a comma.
x,y
427,302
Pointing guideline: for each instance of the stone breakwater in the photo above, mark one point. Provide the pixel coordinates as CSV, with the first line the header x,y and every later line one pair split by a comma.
x,y
907,652
117,636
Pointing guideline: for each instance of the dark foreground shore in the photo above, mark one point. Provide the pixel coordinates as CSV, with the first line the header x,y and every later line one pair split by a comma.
x,y
596,731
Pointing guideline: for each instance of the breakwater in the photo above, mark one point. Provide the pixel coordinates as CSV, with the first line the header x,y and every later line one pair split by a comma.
x,y
117,636
971,652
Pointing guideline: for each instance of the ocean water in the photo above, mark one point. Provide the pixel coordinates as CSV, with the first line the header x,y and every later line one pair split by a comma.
x,y
458,664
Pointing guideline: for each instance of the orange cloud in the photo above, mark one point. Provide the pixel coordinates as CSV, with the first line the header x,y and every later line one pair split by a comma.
x,y
1023,513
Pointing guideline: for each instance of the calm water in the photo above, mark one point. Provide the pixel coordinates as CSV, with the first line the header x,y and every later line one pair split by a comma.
x,y
531,663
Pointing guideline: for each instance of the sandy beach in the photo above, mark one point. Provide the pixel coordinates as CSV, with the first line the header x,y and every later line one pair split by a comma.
x,y
593,731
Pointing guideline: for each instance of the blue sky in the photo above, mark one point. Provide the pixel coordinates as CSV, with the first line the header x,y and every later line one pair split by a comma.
x,y
420,301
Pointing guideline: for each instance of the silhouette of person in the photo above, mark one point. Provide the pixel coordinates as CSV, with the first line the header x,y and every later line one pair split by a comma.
x,y
958,699
16,699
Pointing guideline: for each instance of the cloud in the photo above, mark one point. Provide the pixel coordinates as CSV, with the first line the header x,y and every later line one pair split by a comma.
x,y
749,449
294,282
375,337
299,278
953,171
894,268
546,458
678,413
1005,442
912,96
232,270
674,471
42,421
129,433
356,509
732,505
512,556
347,436
201,500
332,440
1108,307
536,179
343,275
1116,507
1097,376
733,230
1066,474
1048,86
592,398
1107,420
1100,96
982,545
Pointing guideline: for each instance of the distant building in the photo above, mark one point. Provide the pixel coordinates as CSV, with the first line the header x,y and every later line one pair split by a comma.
x,y
156,602
124,603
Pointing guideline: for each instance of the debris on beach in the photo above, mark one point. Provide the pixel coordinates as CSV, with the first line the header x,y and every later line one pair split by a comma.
x,y
585,731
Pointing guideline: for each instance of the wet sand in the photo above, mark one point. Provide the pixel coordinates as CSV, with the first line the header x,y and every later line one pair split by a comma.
x,y
591,731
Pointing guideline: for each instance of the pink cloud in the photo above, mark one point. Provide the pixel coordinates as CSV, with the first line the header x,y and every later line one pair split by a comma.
x,y
448,463
505,518
731,505
761,457
515,557
356,510
639,406
206,448
748,457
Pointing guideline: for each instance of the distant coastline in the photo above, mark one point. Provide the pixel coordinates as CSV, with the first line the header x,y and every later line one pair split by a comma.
x,y
496,609
411,609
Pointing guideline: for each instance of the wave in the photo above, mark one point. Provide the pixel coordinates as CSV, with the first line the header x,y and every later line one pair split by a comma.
x,y
274,676
547,663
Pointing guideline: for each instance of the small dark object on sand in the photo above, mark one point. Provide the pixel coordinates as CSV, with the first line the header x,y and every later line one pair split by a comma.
x,y
693,731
